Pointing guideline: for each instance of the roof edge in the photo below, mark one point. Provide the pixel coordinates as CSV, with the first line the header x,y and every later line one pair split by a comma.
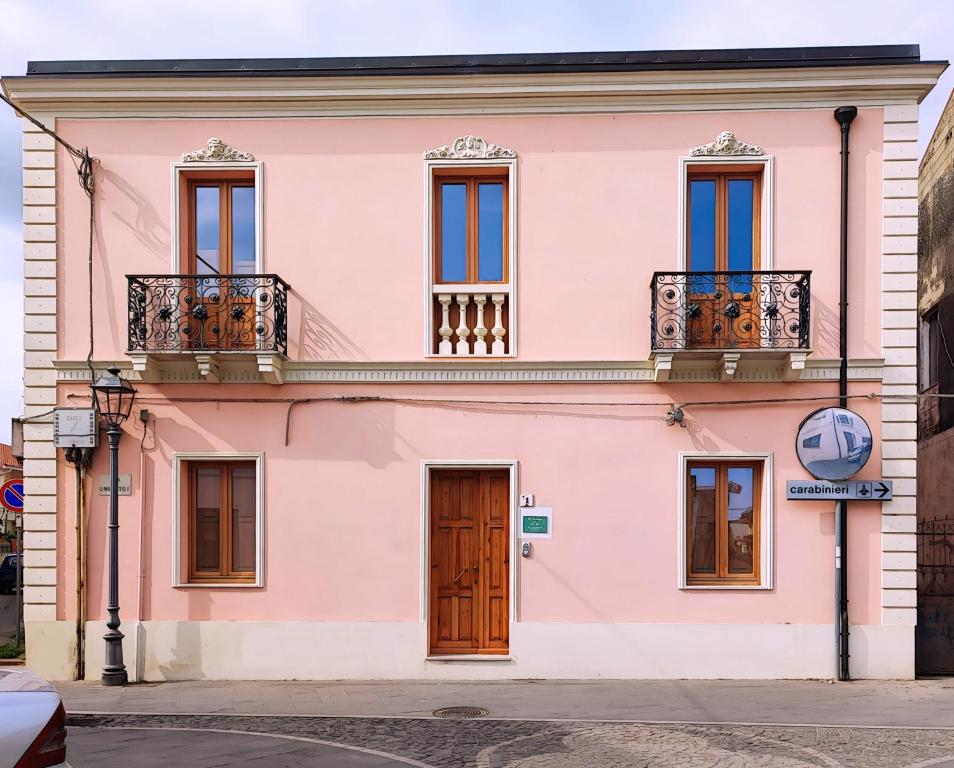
x,y
598,61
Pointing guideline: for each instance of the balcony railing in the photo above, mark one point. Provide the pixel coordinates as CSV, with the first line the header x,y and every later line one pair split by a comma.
x,y
471,320
730,310
208,313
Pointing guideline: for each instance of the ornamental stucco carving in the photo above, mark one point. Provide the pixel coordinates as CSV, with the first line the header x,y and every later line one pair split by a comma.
x,y
727,144
469,148
216,151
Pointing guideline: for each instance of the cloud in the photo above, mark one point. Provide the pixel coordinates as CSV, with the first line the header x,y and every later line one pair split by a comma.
x,y
105,29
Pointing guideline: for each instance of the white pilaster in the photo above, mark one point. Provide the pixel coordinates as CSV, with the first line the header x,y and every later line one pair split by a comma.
x,y
899,345
39,395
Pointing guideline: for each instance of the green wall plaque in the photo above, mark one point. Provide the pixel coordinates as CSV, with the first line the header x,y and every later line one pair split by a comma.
x,y
536,524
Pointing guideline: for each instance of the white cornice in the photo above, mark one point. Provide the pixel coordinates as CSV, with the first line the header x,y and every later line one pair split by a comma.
x,y
498,94
498,372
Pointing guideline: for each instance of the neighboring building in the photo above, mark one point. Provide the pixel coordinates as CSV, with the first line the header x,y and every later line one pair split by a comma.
x,y
10,469
371,304
935,633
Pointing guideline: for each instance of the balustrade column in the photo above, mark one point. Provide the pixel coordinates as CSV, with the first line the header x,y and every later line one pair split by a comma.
x,y
480,330
497,348
463,332
445,347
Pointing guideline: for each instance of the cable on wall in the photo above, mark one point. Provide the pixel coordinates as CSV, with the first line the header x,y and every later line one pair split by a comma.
x,y
291,402
84,170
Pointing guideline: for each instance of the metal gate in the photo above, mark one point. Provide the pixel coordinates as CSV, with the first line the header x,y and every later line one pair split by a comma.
x,y
934,635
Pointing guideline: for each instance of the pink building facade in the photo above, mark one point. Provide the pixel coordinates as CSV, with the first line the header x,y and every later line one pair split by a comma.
x,y
487,368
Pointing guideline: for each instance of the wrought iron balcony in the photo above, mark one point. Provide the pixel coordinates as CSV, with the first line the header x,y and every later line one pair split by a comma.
x,y
728,311
208,313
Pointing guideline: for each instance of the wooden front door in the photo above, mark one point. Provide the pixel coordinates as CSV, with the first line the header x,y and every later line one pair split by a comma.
x,y
469,557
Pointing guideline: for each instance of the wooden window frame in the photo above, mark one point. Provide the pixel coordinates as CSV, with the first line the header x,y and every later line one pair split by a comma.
x,y
721,175
471,177
225,574
722,577
225,180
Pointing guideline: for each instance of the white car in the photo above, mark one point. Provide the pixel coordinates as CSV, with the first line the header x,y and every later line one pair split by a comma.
x,y
32,722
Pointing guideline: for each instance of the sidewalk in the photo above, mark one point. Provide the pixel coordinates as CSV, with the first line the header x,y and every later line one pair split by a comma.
x,y
922,703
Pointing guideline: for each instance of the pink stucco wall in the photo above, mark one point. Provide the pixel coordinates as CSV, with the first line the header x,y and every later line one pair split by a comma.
x,y
343,511
597,214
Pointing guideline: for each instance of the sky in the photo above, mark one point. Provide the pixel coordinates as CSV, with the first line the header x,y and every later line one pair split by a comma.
x,y
136,29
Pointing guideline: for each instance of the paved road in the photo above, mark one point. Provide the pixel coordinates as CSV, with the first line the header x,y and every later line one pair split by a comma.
x,y
151,748
776,702
103,741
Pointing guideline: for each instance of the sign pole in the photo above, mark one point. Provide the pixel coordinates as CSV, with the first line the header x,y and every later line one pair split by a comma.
x,y
19,581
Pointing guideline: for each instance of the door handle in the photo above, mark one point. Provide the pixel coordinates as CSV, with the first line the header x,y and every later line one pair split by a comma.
x,y
457,578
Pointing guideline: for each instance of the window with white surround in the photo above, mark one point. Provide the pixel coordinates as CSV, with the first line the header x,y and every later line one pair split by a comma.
x,y
217,210
738,179
218,520
470,254
725,513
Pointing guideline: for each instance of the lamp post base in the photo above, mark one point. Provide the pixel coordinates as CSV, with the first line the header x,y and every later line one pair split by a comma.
x,y
114,670
114,677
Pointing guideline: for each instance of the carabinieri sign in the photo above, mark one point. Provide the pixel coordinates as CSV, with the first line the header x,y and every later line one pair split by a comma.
x,y
857,490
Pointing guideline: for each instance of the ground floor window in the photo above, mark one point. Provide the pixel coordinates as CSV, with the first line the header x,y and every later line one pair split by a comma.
x,y
723,520
221,521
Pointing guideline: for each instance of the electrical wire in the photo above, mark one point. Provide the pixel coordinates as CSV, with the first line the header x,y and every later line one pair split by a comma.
x,y
947,349
84,169
291,402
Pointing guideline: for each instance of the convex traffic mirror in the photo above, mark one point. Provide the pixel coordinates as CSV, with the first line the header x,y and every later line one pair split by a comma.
x,y
833,443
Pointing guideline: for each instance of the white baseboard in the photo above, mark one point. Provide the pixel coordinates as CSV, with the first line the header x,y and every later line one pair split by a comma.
x,y
261,650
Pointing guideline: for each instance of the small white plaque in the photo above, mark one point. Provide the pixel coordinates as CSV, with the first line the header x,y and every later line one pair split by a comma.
x,y
124,489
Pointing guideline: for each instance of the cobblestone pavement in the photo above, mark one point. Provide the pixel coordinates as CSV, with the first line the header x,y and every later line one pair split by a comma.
x,y
492,743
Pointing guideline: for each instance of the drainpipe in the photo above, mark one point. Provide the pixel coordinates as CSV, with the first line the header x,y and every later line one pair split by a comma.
x,y
844,116
79,458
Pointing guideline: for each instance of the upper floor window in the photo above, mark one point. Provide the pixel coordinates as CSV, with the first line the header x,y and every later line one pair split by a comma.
x,y
217,223
470,223
723,227
930,346
470,249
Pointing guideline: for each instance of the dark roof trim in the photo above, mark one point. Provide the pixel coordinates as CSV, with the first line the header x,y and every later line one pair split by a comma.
x,y
512,63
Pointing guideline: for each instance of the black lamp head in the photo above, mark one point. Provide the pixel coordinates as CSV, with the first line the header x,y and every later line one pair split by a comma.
x,y
114,397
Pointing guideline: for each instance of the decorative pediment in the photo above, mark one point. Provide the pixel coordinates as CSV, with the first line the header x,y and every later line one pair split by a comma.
x,y
727,144
217,151
469,148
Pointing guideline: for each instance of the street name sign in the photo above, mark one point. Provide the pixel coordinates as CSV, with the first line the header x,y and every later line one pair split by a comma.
x,y
856,490
123,489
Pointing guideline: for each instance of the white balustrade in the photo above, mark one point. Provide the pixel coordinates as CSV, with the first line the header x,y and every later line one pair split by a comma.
x,y
471,341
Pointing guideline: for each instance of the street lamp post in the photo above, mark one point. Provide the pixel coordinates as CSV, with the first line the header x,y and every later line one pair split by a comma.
x,y
114,398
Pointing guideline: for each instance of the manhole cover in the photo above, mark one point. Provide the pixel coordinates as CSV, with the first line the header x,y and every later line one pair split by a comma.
x,y
461,712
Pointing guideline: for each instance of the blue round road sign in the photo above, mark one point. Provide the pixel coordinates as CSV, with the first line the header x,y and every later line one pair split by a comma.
x,y
11,495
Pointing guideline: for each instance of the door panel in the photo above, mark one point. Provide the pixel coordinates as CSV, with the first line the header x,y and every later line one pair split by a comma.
x,y
469,556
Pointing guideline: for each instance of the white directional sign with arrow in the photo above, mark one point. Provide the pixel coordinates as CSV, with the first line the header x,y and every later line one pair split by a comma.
x,y
856,490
